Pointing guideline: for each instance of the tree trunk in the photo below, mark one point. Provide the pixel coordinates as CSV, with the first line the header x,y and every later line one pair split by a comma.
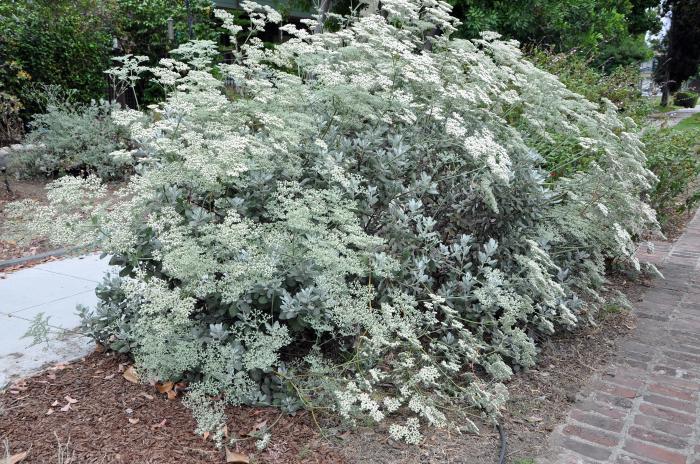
x,y
665,90
322,12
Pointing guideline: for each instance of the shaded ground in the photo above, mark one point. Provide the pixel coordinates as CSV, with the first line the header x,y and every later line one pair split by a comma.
x,y
111,420
539,399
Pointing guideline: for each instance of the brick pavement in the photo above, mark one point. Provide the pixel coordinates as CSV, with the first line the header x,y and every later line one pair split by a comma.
x,y
644,408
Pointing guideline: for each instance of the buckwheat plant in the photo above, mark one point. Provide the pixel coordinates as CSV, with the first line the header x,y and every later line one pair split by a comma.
x,y
365,227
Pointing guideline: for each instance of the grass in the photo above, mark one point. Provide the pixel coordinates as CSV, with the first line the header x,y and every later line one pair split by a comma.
x,y
666,109
692,122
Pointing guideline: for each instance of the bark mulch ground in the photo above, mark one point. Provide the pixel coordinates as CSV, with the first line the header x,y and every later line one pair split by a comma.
x,y
90,413
116,421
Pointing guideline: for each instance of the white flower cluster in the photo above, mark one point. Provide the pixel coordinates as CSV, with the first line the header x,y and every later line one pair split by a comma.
x,y
363,226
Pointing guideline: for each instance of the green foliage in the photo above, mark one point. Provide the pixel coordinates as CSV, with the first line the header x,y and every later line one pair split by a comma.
x,y
579,74
72,138
681,45
686,99
69,42
52,42
362,225
620,87
691,122
610,30
674,156
141,29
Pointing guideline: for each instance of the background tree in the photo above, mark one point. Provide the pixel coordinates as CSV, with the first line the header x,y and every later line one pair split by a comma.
x,y
612,30
69,42
681,45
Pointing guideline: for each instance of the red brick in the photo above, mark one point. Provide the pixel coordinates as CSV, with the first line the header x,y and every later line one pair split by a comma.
x,y
669,391
658,438
624,403
676,382
588,434
687,357
634,356
595,420
654,452
624,459
604,409
584,449
625,381
671,403
654,423
667,414
616,390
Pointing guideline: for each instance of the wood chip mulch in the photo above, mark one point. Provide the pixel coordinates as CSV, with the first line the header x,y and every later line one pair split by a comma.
x,y
90,413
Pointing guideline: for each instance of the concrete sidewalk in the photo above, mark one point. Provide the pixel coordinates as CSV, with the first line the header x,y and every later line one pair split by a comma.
x,y
55,289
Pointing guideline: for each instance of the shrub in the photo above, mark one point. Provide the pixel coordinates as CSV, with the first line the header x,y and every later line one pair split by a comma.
x,y
365,227
53,42
73,138
620,85
674,156
686,99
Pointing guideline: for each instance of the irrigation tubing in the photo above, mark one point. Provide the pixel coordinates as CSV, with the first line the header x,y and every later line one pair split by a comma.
x,y
502,434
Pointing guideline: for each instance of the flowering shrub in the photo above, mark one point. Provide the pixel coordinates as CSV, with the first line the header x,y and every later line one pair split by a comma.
x,y
70,138
363,227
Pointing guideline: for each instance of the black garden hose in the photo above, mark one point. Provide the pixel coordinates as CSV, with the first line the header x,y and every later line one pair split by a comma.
x,y
502,434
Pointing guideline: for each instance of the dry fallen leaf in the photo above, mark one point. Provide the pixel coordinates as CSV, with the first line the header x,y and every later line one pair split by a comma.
x,y
257,428
236,457
108,377
159,424
15,458
49,412
206,435
133,421
131,375
146,395
55,403
164,387
65,408
70,400
172,394
225,429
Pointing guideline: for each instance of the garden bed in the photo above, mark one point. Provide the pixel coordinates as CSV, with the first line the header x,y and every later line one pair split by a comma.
x,y
112,420
22,190
11,249
97,428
